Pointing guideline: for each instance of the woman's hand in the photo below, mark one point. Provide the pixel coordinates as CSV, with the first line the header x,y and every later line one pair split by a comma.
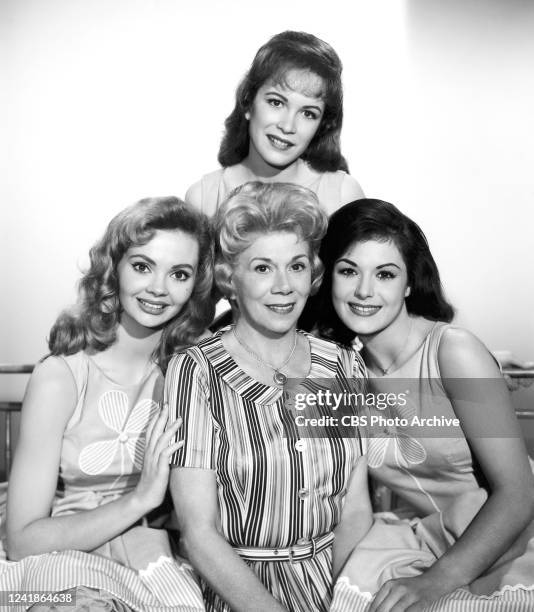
x,y
152,485
48,405
410,594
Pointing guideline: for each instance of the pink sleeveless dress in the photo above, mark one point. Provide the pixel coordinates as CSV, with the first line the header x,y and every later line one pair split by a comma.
x,y
436,478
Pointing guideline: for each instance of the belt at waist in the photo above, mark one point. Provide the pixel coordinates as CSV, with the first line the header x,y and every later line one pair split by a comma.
x,y
297,552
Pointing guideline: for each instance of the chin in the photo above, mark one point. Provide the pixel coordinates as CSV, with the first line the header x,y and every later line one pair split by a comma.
x,y
280,327
360,326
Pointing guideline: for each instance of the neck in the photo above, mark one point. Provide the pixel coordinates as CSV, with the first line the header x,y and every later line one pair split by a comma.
x,y
271,347
260,170
136,345
386,345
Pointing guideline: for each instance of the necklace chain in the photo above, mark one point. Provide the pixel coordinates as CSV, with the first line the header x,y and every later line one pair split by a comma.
x,y
385,371
278,377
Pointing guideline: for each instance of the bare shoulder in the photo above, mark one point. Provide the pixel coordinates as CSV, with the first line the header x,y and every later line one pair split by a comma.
x,y
51,386
53,373
461,354
193,195
350,190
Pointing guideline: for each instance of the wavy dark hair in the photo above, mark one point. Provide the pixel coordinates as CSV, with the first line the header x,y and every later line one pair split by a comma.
x,y
92,322
284,52
371,219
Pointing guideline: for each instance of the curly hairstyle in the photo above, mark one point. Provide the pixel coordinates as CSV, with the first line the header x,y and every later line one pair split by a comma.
x,y
92,322
261,208
284,52
371,219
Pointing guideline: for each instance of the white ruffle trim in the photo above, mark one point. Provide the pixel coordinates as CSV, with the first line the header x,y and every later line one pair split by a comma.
x,y
505,589
344,580
162,561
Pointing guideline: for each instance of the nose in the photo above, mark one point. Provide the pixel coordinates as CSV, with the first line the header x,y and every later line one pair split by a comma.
x,y
157,285
287,122
364,289
281,283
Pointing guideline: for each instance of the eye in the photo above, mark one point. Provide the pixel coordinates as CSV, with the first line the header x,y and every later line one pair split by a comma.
x,y
299,266
276,102
386,275
261,268
346,271
309,114
141,267
181,275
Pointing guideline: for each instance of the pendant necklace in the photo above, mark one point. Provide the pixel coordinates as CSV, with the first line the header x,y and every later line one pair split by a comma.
x,y
278,377
386,371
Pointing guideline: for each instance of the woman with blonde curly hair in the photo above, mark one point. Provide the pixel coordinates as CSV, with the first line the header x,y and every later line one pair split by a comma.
x,y
258,500
83,490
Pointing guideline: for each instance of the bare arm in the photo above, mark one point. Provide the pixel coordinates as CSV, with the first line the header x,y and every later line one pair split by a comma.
x,y
350,190
194,494
503,460
48,405
356,517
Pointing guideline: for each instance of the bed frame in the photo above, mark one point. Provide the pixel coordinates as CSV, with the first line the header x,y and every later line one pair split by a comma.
x,y
7,409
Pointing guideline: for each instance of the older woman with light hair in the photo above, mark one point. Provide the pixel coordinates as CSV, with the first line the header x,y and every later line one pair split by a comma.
x,y
258,502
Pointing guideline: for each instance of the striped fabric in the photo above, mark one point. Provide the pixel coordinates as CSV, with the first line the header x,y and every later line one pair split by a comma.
x,y
349,598
275,488
166,586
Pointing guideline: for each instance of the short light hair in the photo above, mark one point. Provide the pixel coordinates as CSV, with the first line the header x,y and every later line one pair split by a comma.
x,y
263,208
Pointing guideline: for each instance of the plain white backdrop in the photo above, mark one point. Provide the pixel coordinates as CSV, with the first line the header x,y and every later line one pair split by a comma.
x,y
107,101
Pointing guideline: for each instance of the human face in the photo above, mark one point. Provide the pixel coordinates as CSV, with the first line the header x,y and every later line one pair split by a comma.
x,y
284,118
369,286
156,279
271,282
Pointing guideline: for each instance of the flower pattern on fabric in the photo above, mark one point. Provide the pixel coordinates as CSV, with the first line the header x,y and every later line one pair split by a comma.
x,y
408,450
114,410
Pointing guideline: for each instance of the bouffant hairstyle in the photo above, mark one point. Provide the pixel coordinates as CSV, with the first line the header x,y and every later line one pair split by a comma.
x,y
371,219
92,322
282,53
262,208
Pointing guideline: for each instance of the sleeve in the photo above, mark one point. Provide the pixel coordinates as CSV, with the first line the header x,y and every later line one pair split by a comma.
x,y
187,395
354,367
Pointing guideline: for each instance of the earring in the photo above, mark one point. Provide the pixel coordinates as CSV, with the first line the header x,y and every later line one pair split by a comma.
x,y
247,116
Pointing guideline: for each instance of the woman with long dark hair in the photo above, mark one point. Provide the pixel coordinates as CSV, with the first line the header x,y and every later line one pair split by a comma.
x,y
465,476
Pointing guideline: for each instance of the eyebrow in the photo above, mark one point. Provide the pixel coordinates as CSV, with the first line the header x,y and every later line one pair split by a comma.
x,y
352,263
266,259
153,263
284,98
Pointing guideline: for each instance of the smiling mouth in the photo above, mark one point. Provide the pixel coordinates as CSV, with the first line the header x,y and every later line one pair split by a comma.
x,y
279,143
281,308
363,310
151,307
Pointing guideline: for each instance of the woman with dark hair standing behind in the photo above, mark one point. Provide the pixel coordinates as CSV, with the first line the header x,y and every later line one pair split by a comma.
x,y
470,487
285,126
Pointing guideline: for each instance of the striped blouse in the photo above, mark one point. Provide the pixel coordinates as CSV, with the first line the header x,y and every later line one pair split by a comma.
x,y
276,487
